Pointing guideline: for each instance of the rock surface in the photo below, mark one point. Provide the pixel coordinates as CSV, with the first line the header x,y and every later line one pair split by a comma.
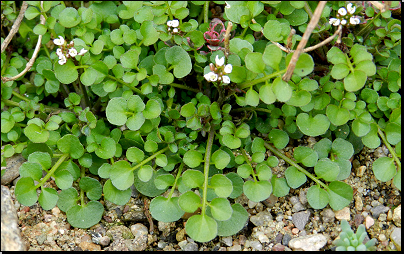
x,y
10,232
308,243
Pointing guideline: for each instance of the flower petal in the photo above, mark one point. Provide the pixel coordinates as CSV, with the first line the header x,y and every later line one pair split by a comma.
x,y
219,61
342,11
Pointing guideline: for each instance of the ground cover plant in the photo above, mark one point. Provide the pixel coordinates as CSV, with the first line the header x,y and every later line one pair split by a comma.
x,y
100,96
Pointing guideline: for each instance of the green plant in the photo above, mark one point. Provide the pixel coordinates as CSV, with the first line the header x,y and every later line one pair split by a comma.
x,y
350,241
165,97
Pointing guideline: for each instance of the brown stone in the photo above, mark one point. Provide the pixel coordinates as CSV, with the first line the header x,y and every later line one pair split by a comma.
x,y
89,246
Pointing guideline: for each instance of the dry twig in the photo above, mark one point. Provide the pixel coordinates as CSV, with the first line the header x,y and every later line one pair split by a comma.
x,y
15,27
32,60
310,27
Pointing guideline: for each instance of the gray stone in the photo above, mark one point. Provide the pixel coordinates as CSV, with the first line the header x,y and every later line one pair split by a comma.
x,y
227,241
271,201
286,238
261,218
298,207
236,247
376,211
12,168
190,247
256,245
119,232
105,240
328,215
303,196
294,200
396,238
300,219
308,243
10,232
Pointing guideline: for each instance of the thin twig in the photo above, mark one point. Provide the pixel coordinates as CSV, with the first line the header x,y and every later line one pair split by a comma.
x,y
227,38
310,27
32,60
15,27
329,39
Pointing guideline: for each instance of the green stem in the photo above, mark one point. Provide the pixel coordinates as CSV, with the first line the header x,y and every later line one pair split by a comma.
x,y
205,12
19,96
82,174
176,180
293,163
349,63
123,83
53,169
244,31
252,109
249,163
82,66
184,87
368,25
391,150
257,81
206,167
150,158
46,51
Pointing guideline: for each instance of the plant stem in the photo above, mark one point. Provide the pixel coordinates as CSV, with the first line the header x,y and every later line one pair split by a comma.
x,y
82,174
252,109
205,12
368,25
150,158
176,179
184,87
249,163
391,150
259,80
206,167
123,83
293,163
53,169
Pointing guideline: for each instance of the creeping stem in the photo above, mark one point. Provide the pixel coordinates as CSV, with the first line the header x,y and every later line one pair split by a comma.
x,y
176,179
150,158
391,150
293,163
53,169
206,167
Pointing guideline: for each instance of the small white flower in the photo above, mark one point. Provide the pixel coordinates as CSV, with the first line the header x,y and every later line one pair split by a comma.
x,y
62,59
226,79
220,61
59,41
343,22
351,8
228,68
82,51
169,23
175,30
72,52
175,23
342,11
354,21
227,5
211,76
334,21
59,52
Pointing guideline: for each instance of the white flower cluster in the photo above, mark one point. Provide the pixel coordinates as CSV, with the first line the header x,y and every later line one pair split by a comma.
x,y
344,14
66,50
218,70
174,25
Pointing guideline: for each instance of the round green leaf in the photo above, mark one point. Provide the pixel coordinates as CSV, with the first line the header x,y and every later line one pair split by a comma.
x,y
221,159
327,169
71,144
236,222
201,228
116,111
317,197
25,191
220,209
272,56
257,191
340,195
161,160
299,98
36,134
393,133
152,109
340,71
254,62
244,170
264,172
92,187
222,185
43,158
281,89
294,177
165,210
252,98
193,178
312,126
337,116
31,169
384,169
136,121
279,186
304,64
85,216
145,173
66,73
69,17
342,149
192,158
107,148
112,194
279,138
180,59
272,30
189,201
121,175
130,58
306,156
67,199
63,179
48,198
149,33
266,94
355,81
164,181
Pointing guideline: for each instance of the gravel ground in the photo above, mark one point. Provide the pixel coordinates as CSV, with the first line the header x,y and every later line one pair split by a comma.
x,y
286,223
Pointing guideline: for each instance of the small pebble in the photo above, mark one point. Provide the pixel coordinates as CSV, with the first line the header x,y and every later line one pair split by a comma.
x,y
236,247
358,203
191,247
227,241
294,200
300,219
327,215
263,238
369,221
383,217
390,215
251,204
397,216
286,238
376,211
261,218
242,239
308,243
278,238
358,219
396,238
382,237
278,247
295,231
343,214
256,245
375,203
360,171
105,240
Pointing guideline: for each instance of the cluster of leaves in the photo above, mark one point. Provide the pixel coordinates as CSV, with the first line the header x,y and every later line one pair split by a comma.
x,y
136,109
350,241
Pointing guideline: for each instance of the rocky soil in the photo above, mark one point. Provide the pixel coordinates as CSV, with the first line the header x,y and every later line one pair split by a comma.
x,y
286,223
